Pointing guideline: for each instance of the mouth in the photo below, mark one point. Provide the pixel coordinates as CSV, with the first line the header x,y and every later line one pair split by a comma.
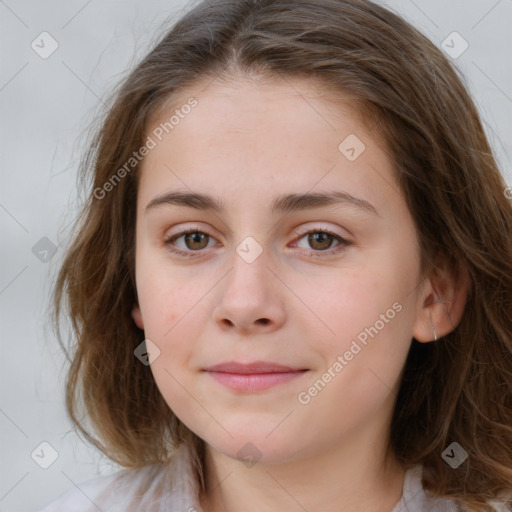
x,y
253,377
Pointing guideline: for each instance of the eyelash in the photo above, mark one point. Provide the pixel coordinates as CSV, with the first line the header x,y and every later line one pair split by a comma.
x,y
343,243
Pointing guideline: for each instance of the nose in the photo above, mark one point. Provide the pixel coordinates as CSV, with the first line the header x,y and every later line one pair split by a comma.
x,y
250,298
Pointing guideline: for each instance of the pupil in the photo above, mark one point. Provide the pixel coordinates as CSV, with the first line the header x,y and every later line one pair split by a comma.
x,y
320,238
196,237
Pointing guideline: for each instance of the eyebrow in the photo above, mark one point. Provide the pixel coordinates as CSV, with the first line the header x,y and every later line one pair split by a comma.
x,y
281,204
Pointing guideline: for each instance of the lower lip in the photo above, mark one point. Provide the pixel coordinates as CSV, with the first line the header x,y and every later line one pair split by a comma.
x,y
254,381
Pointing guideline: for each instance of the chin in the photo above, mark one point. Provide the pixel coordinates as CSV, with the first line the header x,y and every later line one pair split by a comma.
x,y
256,447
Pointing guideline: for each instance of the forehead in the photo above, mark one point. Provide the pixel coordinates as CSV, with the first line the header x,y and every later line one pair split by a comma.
x,y
255,136
253,94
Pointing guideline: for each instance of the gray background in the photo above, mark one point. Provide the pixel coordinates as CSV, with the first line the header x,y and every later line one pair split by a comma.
x,y
45,108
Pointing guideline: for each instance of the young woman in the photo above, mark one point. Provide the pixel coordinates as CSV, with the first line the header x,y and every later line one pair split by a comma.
x,y
291,285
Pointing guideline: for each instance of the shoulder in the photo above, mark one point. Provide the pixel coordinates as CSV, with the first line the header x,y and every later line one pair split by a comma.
x,y
500,506
86,496
157,487
416,499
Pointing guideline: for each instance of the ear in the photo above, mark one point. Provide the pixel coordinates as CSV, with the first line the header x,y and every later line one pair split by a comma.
x,y
137,316
442,302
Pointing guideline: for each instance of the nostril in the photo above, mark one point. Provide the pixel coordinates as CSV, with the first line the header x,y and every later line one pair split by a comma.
x,y
264,321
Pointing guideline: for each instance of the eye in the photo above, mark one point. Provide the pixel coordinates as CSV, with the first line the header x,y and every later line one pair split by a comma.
x,y
194,240
321,241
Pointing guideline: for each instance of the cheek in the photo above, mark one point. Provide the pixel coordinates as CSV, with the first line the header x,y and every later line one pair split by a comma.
x,y
174,309
165,293
363,359
367,319
349,303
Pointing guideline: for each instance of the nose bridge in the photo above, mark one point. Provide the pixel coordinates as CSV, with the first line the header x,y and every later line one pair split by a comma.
x,y
252,249
249,264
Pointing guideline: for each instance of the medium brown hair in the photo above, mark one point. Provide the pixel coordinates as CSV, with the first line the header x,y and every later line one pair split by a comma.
x,y
458,389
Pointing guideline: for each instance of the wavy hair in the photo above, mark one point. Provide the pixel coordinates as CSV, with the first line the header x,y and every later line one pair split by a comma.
x,y
456,389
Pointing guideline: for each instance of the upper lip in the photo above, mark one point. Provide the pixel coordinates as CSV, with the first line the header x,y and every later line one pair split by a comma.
x,y
254,367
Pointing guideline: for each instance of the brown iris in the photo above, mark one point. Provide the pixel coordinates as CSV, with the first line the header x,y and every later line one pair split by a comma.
x,y
197,240
322,239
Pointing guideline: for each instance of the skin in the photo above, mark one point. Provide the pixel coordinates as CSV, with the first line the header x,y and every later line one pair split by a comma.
x,y
245,142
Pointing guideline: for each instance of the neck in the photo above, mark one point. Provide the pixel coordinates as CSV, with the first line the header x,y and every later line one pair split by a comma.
x,y
350,479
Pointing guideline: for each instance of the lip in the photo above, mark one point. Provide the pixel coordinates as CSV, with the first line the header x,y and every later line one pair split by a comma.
x,y
253,377
252,368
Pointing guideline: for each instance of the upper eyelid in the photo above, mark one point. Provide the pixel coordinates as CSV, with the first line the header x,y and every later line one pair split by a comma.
x,y
300,232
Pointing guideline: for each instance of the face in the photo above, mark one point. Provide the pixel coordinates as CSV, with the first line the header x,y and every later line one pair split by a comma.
x,y
329,288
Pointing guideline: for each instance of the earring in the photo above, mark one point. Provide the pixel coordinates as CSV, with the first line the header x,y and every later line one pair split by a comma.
x,y
433,328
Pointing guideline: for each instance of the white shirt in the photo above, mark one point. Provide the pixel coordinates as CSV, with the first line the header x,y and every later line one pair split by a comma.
x,y
140,490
